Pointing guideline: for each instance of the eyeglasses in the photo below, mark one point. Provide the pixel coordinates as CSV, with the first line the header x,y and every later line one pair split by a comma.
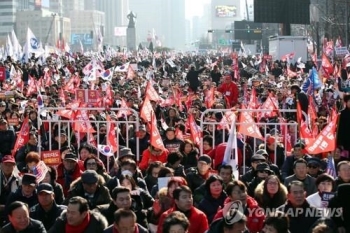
x,y
91,164
312,166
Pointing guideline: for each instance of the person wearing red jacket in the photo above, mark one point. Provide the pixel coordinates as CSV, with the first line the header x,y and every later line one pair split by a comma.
x,y
150,155
237,191
230,90
68,171
184,203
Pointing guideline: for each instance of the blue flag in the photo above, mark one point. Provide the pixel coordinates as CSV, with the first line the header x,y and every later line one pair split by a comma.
x,y
313,80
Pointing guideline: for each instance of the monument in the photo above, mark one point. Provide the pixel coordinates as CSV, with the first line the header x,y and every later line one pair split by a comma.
x,y
131,32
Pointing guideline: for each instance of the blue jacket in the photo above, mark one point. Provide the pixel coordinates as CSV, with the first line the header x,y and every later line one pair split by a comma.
x,y
210,205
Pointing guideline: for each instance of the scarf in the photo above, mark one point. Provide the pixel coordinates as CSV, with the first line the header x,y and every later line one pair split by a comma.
x,y
79,229
135,231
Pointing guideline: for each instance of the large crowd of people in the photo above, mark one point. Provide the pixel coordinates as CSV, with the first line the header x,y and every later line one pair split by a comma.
x,y
166,174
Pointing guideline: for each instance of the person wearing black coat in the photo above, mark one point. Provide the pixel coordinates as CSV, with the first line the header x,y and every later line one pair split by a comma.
x,y
344,125
287,167
341,202
192,78
17,210
214,197
7,138
215,75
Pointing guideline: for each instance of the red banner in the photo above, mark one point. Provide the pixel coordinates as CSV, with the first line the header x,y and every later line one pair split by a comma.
x,y
325,141
51,158
155,139
22,137
247,125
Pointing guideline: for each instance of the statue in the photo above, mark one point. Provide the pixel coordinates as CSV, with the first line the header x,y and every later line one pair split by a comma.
x,y
131,18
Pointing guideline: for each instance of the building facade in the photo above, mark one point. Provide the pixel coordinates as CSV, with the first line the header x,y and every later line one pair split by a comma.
x,y
46,26
85,27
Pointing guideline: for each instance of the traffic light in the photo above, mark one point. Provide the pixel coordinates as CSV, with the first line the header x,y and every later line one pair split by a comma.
x,y
228,31
210,31
248,28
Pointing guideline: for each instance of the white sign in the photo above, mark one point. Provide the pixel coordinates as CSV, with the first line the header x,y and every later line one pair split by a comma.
x,y
120,31
341,51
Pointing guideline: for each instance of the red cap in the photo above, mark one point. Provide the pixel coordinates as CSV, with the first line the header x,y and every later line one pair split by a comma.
x,y
8,159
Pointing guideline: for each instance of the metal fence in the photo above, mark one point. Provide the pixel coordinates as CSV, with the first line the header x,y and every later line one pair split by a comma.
x,y
264,128
57,123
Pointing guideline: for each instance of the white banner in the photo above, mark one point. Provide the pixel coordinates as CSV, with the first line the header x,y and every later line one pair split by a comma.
x,y
120,31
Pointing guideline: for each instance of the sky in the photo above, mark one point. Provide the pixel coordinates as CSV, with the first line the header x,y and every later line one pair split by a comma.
x,y
194,8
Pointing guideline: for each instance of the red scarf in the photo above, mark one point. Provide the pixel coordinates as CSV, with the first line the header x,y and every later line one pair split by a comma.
x,y
81,228
135,231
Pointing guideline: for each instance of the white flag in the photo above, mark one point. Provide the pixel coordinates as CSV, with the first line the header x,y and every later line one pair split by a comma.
x,y
32,45
17,48
9,46
231,155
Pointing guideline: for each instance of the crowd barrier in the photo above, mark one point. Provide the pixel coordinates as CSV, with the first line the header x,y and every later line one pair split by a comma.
x,y
263,126
130,126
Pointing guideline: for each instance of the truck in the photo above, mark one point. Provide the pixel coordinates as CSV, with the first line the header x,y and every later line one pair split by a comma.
x,y
280,46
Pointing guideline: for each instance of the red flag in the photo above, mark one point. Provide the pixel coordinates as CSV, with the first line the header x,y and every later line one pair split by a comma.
x,y
287,57
47,78
68,112
151,92
299,113
253,102
146,110
22,136
209,97
269,104
325,141
326,65
305,133
227,120
195,130
155,138
109,97
111,135
32,88
131,73
82,123
247,125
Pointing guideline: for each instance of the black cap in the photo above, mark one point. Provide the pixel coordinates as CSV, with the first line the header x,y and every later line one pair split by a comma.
x,y
258,157
71,156
315,161
205,158
45,187
89,177
262,152
29,179
263,167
